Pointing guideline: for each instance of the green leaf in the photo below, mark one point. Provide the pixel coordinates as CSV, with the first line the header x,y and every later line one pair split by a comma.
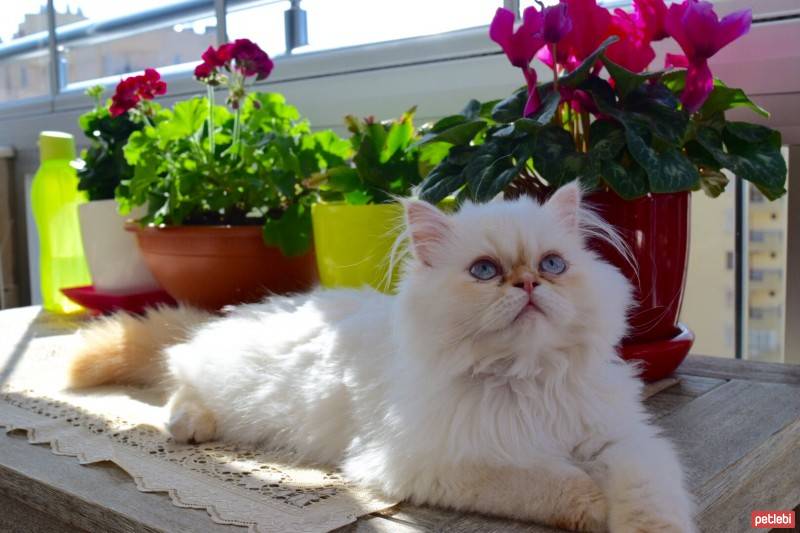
x,y
628,183
472,110
626,81
723,98
447,123
552,151
547,109
581,72
459,134
357,197
713,182
291,232
399,137
753,133
443,181
606,139
188,117
760,163
489,171
511,108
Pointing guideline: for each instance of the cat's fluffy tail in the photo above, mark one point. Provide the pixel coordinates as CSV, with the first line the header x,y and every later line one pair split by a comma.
x,y
127,349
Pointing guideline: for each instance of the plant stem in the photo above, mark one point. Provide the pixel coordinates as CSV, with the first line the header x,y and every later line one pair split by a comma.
x,y
555,68
211,141
586,120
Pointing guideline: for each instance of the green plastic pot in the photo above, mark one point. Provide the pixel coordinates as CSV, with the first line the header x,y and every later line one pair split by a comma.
x,y
354,244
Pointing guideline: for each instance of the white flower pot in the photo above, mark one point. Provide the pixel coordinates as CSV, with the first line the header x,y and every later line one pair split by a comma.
x,y
112,253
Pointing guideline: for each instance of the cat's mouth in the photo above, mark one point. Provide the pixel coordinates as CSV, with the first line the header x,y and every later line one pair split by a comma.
x,y
528,310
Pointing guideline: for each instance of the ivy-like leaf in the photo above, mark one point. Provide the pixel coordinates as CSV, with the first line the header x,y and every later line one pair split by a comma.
x,y
581,72
511,108
552,148
625,80
459,134
762,164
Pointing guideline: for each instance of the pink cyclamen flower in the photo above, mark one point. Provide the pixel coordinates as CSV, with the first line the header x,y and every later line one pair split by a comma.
x,y
556,23
633,50
590,26
701,34
651,14
520,46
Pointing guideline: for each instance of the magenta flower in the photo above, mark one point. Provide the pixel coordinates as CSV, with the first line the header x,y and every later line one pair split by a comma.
x,y
556,23
699,32
633,50
520,46
651,14
590,25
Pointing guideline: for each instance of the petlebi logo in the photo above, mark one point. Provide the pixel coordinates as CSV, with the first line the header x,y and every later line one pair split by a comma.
x,y
772,519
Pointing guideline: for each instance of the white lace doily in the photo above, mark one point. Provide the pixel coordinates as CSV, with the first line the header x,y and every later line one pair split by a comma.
x,y
264,491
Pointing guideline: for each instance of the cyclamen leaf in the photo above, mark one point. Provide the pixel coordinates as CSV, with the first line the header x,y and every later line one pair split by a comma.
x,y
581,72
625,80
459,134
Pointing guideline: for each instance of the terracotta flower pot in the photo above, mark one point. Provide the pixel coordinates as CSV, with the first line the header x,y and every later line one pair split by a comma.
x,y
656,228
214,266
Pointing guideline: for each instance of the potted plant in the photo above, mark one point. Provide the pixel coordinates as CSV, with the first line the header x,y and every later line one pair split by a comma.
x,y
641,141
356,224
115,264
228,215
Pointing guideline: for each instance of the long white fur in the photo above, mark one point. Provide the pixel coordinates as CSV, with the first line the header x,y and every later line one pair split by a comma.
x,y
443,394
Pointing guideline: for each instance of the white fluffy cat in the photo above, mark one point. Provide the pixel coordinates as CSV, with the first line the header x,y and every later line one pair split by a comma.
x,y
490,382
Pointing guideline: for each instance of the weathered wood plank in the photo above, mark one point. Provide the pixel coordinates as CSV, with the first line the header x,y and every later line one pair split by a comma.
x,y
687,389
99,497
766,478
19,518
724,368
443,520
717,429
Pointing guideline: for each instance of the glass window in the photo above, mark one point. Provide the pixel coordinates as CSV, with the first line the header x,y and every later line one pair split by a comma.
x,y
27,74
262,24
708,302
339,23
765,288
708,306
174,40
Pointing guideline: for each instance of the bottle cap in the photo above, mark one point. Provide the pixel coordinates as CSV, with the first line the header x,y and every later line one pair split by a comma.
x,y
56,145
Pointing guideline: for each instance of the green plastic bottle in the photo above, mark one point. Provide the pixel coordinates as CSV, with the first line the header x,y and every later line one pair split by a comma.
x,y
55,198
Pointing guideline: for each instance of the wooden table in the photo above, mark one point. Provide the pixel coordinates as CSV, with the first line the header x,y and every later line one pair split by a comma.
x,y
736,424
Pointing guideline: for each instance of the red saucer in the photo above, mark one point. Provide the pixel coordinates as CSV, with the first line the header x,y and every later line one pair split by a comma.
x,y
105,303
658,359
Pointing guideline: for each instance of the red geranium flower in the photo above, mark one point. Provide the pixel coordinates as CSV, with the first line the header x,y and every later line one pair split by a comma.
x,y
130,91
242,54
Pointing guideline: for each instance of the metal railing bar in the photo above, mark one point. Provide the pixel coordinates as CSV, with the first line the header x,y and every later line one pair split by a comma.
x,y
87,28
220,10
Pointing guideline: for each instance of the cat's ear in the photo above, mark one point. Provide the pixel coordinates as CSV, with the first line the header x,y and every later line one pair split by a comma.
x,y
566,203
428,229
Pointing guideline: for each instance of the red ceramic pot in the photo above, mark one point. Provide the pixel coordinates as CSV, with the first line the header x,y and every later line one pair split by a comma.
x,y
656,228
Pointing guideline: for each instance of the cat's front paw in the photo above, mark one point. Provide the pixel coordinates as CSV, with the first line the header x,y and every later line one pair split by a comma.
x,y
648,521
193,423
587,511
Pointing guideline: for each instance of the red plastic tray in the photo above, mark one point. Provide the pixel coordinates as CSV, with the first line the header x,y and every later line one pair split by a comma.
x,y
104,303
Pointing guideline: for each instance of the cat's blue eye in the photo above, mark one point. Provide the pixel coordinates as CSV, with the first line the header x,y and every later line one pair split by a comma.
x,y
484,269
553,264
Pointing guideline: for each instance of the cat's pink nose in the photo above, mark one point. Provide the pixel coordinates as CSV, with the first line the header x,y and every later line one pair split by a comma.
x,y
526,283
